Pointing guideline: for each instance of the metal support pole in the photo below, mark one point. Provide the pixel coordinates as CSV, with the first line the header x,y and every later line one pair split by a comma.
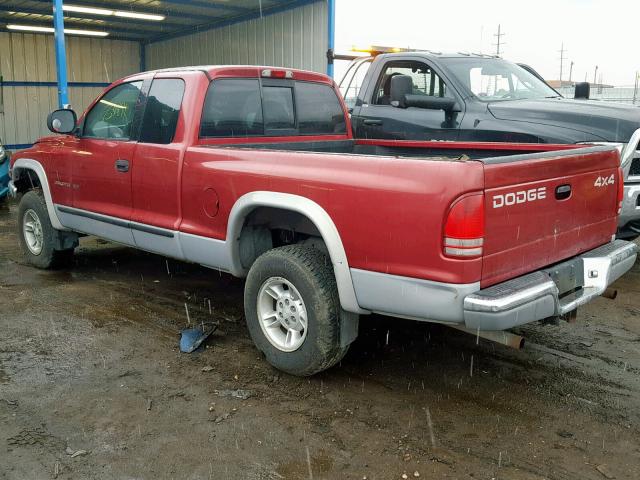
x,y
143,57
331,7
61,54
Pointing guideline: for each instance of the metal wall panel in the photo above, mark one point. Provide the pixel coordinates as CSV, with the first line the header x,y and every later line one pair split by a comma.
x,y
31,58
294,38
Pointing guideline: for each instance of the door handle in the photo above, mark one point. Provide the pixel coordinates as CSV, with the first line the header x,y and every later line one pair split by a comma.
x,y
122,165
373,122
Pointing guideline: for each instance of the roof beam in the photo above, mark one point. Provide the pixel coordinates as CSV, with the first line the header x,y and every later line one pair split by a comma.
x,y
120,34
118,6
223,22
74,17
208,4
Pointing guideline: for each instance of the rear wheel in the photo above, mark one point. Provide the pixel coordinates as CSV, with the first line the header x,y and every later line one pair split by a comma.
x,y
293,311
37,236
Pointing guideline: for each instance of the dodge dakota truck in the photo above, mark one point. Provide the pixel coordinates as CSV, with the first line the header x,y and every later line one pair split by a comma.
x,y
467,97
254,171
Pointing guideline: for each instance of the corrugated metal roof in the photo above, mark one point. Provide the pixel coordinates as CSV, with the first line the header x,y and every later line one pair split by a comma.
x,y
182,16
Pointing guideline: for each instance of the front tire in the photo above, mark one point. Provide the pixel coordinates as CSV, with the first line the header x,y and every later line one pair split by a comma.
x,y
293,310
37,236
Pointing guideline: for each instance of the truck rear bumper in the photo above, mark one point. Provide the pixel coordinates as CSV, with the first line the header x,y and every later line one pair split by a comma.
x,y
553,291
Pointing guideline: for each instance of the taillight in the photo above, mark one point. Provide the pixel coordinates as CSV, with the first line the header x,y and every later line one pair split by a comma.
x,y
464,228
620,190
269,73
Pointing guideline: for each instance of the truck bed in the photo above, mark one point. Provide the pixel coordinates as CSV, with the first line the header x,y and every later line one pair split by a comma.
x,y
383,182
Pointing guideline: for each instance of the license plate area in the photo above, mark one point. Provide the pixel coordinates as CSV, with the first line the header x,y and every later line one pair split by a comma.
x,y
568,276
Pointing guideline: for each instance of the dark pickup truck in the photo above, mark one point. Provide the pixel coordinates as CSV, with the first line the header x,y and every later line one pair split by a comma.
x,y
481,98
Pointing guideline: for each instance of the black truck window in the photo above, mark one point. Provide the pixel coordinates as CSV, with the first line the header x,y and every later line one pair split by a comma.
x,y
112,116
162,110
425,81
319,110
232,108
242,107
277,105
352,82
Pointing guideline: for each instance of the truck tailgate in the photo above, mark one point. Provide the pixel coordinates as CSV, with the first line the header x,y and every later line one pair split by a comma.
x,y
546,207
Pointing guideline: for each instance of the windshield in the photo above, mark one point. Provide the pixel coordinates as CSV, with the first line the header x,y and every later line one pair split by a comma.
x,y
492,79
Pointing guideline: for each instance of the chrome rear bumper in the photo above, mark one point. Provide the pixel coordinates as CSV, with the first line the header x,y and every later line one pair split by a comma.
x,y
553,291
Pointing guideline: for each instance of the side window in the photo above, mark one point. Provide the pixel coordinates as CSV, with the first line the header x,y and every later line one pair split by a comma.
x,y
425,81
112,116
232,108
352,83
277,105
319,110
162,110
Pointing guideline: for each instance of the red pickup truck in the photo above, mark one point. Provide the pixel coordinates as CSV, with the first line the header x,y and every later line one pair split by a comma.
x,y
254,171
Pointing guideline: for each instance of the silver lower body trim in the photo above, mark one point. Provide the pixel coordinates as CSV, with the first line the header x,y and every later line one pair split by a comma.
x,y
412,298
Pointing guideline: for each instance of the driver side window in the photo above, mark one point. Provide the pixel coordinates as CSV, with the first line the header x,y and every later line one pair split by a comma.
x,y
425,81
112,116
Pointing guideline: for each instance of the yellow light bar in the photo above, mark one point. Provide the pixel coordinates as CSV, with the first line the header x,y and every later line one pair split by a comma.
x,y
377,50
113,13
70,31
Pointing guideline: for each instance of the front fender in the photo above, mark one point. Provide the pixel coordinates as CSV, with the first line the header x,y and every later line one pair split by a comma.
x,y
20,167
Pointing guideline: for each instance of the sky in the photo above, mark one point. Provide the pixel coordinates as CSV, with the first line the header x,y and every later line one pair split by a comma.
x,y
594,32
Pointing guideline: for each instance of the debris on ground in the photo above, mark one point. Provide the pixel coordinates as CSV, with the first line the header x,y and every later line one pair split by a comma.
x,y
192,338
605,471
239,393
75,453
149,404
222,417
207,368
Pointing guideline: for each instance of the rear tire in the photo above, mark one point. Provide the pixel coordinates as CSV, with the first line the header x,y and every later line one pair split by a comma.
x,y
37,236
294,287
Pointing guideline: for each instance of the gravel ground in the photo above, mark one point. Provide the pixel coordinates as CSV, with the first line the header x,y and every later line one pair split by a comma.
x,y
92,386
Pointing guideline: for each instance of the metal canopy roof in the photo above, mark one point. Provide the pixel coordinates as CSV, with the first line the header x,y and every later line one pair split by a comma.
x,y
183,17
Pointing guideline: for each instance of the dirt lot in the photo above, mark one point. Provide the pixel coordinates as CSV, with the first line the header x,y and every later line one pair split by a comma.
x,y
89,365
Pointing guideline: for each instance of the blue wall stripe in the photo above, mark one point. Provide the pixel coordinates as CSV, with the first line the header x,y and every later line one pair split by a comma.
x,y
12,83
18,146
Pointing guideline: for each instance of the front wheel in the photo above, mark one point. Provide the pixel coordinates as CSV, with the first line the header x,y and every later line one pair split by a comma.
x,y
293,310
37,236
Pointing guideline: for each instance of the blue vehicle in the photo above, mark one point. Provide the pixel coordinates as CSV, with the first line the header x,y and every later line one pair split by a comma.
x,y
4,172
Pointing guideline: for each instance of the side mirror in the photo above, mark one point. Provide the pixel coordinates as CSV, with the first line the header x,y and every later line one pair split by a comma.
x,y
432,103
62,121
402,96
582,90
401,86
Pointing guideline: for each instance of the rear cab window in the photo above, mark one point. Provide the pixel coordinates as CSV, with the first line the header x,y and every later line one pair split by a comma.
x,y
255,107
